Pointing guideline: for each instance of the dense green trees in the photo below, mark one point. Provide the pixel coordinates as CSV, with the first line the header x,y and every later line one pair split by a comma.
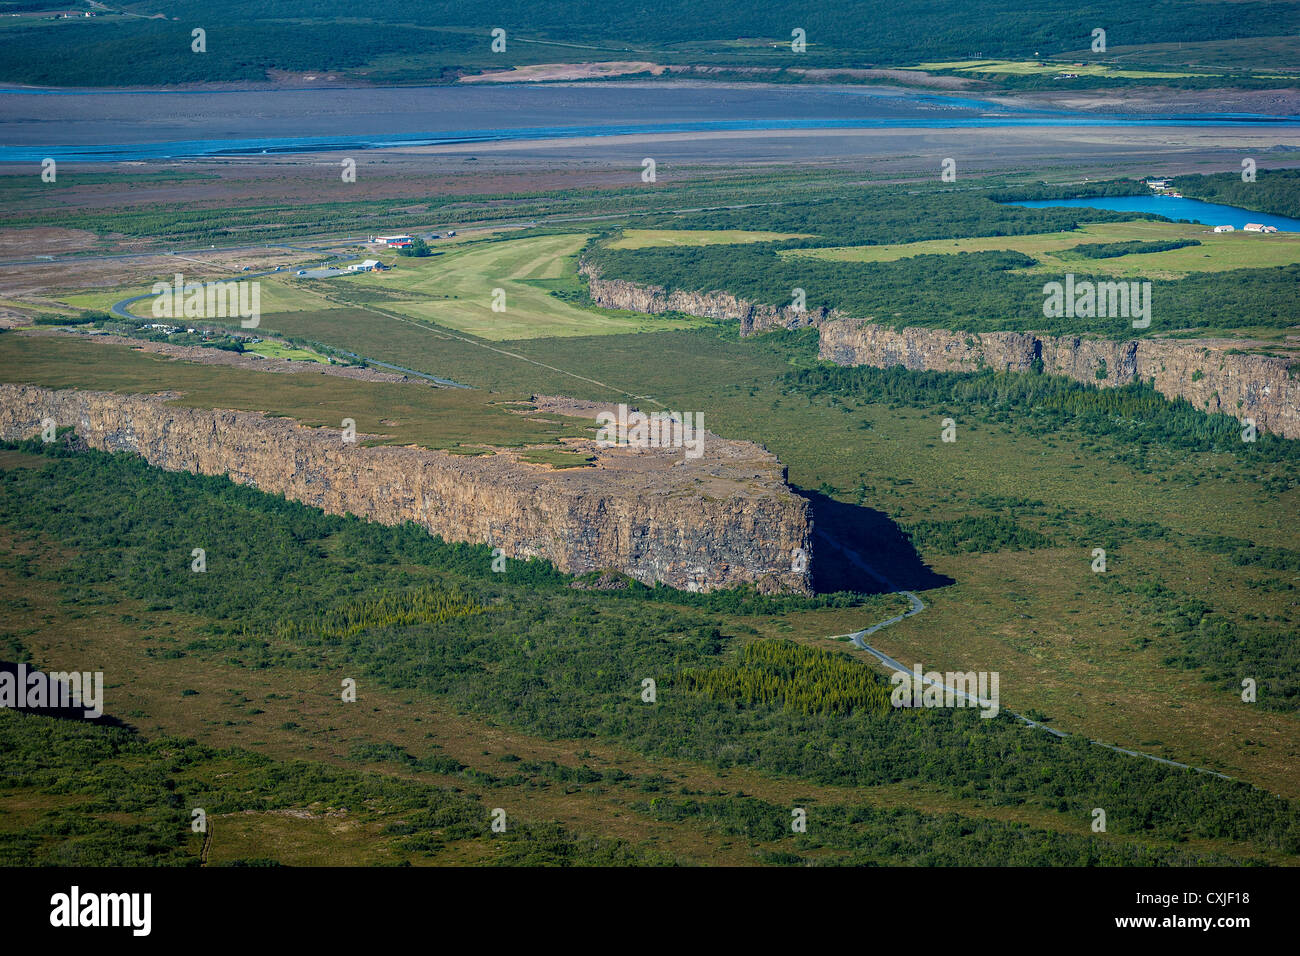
x,y
802,679
557,661
1113,250
877,215
1130,418
975,292
978,292
1275,191
982,533
434,39
122,800
418,249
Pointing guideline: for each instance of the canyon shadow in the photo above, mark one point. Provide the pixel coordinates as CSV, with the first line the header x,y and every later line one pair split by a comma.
x,y
875,538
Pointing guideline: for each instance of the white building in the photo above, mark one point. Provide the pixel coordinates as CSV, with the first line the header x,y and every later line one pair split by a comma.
x,y
1224,229
1254,227
370,265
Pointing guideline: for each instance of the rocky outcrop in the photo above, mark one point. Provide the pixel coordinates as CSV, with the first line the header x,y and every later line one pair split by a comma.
x,y
654,300
722,519
1209,374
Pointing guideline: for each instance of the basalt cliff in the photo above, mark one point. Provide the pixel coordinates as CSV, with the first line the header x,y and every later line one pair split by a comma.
x,y
717,520
1211,375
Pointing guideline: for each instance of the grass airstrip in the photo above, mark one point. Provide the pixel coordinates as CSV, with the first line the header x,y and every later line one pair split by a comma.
x,y
456,289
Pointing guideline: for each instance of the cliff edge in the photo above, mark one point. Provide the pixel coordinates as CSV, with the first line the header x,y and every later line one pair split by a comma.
x,y
718,520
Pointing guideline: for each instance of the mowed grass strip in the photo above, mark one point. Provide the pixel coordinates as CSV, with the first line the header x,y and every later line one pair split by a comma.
x,y
457,290
1218,252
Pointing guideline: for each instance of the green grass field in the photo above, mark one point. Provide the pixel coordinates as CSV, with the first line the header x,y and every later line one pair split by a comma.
x,y
1218,252
276,350
453,288
456,290
1035,68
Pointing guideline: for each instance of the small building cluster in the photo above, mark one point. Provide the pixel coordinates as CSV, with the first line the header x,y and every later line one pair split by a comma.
x,y
170,329
1249,227
403,241
1162,188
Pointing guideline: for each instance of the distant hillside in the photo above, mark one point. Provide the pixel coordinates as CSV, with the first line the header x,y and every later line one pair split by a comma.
x,y
437,40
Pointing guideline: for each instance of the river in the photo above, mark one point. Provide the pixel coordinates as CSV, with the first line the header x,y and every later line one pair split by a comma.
x,y
117,126
1209,213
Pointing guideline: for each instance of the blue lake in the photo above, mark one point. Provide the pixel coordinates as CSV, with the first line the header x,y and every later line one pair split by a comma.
x,y
1209,213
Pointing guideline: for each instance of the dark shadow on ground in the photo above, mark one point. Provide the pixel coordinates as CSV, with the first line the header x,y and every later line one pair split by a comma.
x,y
60,688
876,538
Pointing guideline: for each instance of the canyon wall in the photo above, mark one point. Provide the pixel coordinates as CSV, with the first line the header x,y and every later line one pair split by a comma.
x,y
720,520
1206,373
653,299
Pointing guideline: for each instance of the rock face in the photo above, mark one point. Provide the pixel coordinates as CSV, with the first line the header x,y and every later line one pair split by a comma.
x,y
1206,374
719,520
1258,387
653,299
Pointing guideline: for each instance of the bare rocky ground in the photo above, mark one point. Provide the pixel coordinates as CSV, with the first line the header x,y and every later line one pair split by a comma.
x,y
42,240
90,273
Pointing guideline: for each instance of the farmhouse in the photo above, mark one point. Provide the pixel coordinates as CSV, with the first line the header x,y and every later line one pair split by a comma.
x,y
1224,229
370,265
1254,227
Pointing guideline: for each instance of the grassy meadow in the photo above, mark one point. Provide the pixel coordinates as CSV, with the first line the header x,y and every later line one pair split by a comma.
x,y
398,414
1217,252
